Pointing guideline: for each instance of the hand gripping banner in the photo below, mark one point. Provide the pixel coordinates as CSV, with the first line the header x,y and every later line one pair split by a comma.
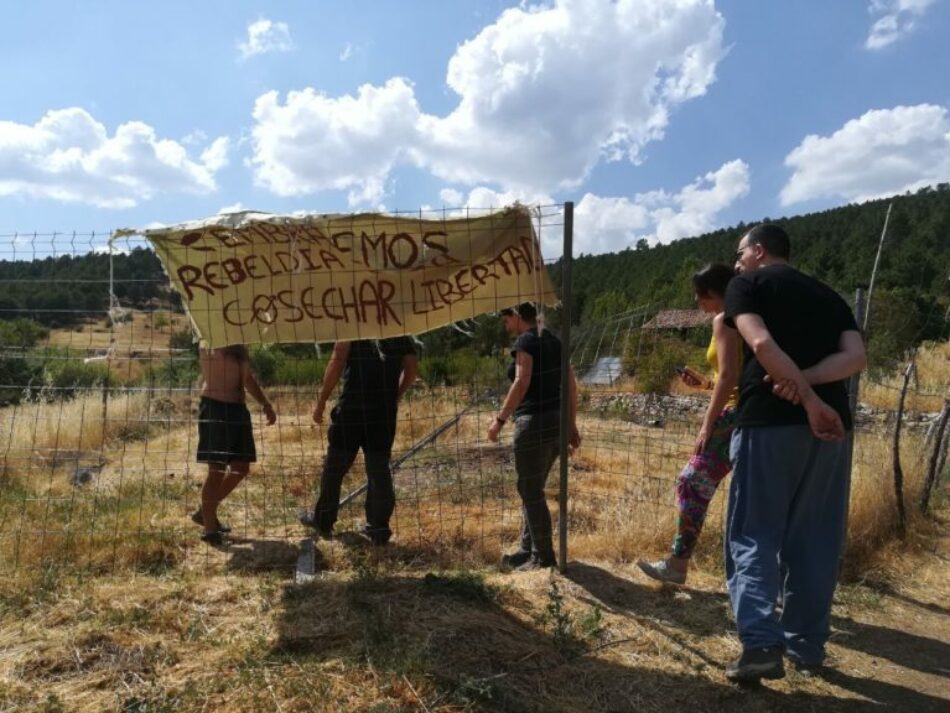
x,y
255,278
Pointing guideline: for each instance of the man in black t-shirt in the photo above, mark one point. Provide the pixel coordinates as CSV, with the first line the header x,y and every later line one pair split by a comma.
x,y
376,373
534,401
788,499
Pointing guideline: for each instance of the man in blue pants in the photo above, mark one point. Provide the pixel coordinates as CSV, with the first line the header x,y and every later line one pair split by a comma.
x,y
788,499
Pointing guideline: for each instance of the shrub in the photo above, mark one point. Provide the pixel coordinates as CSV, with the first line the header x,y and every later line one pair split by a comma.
x,y
462,366
179,370
658,360
300,371
182,339
67,376
265,362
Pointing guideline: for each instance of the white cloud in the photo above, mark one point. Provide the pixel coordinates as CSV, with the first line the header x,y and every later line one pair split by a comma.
x,y
347,52
881,153
233,208
547,92
610,224
451,197
544,94
312,142
194,137
215,157
265,36
70,157
895,18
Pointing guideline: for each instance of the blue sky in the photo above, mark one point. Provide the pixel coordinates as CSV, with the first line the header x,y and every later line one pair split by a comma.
x,y
661,119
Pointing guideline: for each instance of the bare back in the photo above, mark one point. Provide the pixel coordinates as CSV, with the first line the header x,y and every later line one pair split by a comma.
x,y
223,375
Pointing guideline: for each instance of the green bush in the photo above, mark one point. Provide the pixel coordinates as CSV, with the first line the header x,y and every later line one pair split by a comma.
x,y
182,339
658,360
300,371
463,366
265,362
177,371
17,371
21,332
435,370
66,376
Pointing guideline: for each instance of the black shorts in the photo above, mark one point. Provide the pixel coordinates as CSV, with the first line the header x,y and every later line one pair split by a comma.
x,y
224,432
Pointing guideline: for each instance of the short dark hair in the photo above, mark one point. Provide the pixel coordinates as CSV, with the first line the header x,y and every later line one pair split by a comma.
x,y
238,351
713,279
772,238
526,310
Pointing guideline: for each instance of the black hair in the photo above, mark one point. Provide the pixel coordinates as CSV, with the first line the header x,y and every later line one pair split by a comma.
x,y
238,351
772,238
713,279
526,310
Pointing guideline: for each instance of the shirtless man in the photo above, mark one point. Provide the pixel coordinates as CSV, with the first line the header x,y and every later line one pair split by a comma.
x,y
225,436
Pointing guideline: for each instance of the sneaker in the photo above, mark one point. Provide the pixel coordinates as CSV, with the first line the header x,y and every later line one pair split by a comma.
x,y
662,571
198,518
808,670
308,520
515,559
755,664
215,538
535,563
373,536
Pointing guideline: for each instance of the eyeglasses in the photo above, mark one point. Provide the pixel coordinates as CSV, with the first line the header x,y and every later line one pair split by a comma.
x,y
741,250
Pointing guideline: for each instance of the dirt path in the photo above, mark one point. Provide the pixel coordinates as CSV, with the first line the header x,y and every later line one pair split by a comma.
x,y
890,645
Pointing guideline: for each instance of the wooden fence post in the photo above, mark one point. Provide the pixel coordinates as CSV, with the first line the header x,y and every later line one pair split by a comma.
x,y
935,458
898,471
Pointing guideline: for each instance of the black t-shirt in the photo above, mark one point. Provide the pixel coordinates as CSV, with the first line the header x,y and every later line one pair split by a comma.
x,y
544,391
371,375
805,318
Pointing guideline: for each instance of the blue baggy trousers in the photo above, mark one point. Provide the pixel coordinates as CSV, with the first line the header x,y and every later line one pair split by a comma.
x,y
785,530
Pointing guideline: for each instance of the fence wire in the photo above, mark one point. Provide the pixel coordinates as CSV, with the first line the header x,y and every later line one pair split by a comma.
x,y
99,396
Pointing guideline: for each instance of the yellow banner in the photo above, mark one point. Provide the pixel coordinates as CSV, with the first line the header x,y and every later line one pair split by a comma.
x,y
256,278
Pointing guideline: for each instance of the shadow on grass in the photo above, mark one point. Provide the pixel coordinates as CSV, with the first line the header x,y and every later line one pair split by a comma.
x,y
254,556
701,612
913,651
452,640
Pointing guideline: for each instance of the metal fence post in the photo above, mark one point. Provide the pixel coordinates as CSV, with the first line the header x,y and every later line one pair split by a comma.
x,y
567,258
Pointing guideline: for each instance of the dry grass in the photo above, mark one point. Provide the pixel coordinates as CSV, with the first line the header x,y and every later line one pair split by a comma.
x,y
110,601
456,498
135,341
926,393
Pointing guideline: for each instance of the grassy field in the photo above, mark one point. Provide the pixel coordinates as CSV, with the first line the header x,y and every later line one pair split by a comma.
x,y
109,601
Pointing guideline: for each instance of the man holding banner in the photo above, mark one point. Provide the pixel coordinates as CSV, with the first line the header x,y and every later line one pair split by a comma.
x,y
376,373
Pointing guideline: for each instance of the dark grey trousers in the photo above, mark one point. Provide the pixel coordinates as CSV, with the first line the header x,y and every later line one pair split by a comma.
x,y
537,443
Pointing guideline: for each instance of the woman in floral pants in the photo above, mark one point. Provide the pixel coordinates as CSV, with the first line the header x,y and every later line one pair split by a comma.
x,y
709,464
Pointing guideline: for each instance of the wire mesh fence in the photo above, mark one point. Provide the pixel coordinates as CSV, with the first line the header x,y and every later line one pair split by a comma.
x,y
100,392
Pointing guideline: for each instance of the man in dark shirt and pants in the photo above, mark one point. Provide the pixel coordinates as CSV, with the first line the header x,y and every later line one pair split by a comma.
x,y
375,376
788,500
534,401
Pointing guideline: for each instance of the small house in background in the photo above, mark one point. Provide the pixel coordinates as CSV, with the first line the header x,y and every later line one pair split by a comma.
x,y
678,319
604,372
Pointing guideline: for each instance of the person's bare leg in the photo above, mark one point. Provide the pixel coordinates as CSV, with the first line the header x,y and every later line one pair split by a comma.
x,y
211,496
237,471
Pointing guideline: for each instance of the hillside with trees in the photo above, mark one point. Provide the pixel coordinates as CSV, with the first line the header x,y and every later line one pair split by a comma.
x,y
911,295
839,245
